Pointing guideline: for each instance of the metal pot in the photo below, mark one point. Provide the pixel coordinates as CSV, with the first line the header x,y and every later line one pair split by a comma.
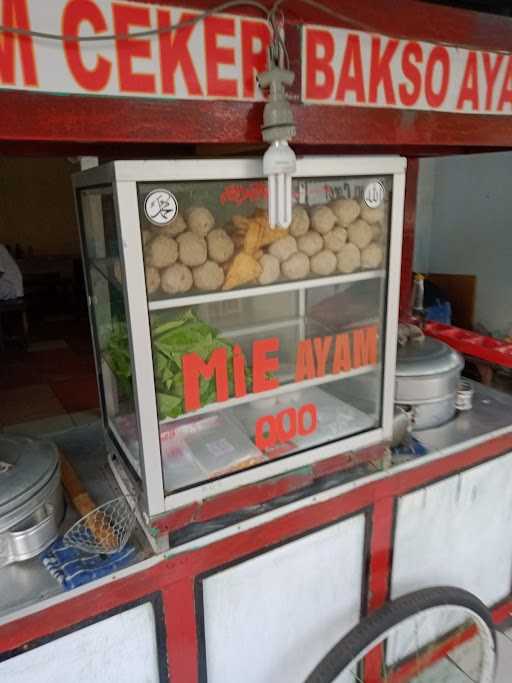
x,y
31,498
427,377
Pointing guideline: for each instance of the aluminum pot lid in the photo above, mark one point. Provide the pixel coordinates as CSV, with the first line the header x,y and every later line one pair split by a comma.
x,y
429,357
26,465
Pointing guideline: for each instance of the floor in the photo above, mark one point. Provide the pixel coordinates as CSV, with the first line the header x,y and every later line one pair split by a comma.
x,y
50,386
504,672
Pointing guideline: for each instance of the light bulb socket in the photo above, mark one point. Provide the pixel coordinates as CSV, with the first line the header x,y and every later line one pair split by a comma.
x,y
278,123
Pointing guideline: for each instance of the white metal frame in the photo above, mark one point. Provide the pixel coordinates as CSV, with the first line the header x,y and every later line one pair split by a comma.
x,y
127,210
124,176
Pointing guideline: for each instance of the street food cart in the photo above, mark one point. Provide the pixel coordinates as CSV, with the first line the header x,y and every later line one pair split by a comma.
x,y
247,372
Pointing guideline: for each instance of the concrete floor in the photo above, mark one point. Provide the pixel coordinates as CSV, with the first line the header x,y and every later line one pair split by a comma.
x,y
504,672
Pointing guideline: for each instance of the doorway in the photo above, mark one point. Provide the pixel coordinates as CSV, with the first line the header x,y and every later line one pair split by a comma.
x,y
47,374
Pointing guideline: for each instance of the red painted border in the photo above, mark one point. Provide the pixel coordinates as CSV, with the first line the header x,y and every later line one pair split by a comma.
x,y
175,577
97,120
502,612
171,574
100,121
180,610
413,667
379,575
263,491
380,553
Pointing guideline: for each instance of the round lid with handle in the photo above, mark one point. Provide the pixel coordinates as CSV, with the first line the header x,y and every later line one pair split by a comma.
x,y
427,357
26,465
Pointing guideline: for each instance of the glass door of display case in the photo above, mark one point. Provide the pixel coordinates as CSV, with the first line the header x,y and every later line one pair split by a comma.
x,y
108,312
246,350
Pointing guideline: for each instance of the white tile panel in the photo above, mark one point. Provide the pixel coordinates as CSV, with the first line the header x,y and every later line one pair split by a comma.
x,y
457,532
273,617
119,649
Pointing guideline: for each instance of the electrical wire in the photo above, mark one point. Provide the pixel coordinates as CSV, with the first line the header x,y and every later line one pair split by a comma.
x,y
337,15
268,12
137,34
278,47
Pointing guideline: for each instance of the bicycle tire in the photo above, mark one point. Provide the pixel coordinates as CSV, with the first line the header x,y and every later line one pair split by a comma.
x,y
371,629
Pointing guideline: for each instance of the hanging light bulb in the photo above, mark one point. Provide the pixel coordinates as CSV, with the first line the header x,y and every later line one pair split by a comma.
x,y
279,161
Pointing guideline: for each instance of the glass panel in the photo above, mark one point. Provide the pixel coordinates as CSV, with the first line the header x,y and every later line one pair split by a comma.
x,y
241,381
234,392
109,319
99,220
210,236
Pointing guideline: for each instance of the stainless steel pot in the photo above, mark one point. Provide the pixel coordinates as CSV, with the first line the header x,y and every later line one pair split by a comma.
x,y
31,499
427,377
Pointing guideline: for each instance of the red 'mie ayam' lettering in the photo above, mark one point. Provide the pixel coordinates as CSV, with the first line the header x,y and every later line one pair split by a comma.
x,y
346,67
315,357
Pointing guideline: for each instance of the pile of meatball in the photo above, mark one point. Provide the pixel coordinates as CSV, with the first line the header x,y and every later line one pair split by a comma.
x,y
187,253
191,252
341,237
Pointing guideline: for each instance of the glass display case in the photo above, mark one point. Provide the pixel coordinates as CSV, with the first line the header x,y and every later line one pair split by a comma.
x,y
229,351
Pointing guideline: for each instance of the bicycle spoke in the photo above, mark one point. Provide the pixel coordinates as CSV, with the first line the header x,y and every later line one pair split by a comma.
x,y
439,635
357,678
417,641
470,678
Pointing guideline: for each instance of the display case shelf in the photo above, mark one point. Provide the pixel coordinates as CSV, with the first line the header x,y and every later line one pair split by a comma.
x,y
243,293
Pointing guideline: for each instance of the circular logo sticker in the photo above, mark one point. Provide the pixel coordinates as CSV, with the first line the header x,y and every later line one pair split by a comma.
x,y
160,207
374,194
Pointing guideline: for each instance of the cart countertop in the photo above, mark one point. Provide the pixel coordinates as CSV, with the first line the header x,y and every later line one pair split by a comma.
x,y
25,583
491,414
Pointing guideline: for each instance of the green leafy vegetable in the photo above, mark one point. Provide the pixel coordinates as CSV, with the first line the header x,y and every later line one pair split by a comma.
x,y
171,340
118,356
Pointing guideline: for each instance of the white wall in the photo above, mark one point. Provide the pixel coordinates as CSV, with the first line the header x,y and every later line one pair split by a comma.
x,y
424,214
464,225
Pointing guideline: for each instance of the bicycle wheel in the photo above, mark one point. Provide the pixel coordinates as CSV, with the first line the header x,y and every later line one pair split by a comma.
x,y
434,635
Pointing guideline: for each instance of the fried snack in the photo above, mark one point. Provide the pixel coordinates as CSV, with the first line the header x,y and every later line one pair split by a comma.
x,y
251,234
244,269
256,231
241,223
264,234
254,237
238,238
227,266
271,235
